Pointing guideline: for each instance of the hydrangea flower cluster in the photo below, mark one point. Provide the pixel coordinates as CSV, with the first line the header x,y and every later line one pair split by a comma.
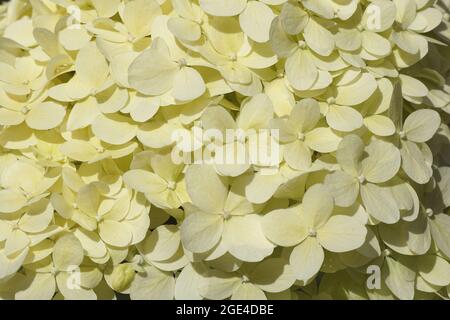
x,y
93,203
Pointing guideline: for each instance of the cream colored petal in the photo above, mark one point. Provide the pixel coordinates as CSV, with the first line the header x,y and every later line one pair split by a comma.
x,y
380,125
281,43
255,113
317,205
39,286
284,227
161,244
184,29
153,284
306,259
297,155
200,232
322,140
244,238
152,72
342,234
349,154
412,87
82,114
305,115
221,8
106,8
434,270
255,21
78,150
343,187
188,84
380,203
383,162
415,162
9,266
349,40
91,243
376,44
207,190
440,230
262,187
218,285
357,91
157,134
11,200
114,129
16,242
300,70
73,39
343,118
45,116
21,31
186,286
399,279
293,18
71,289
318,38
260,57
67,253
138,16
421,125
115,233
273,275
91,66
248,291
38,217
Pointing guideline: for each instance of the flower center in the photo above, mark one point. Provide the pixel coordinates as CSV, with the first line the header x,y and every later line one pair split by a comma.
x,y
139,260
361,179
302,44
182,63
312,232
301,136
171,185
200,21
131,38
226,215
331,100
233,57
429,212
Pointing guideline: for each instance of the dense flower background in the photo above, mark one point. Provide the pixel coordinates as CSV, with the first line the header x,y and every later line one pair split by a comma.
x,y
92,204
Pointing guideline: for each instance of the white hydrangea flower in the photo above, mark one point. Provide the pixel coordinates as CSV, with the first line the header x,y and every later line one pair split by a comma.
x,y
310,227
